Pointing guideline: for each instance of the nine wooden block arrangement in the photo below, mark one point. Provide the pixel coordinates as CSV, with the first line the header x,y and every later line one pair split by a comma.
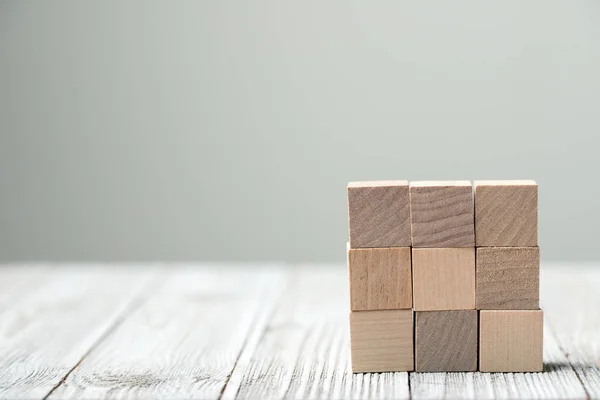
x,y
444,276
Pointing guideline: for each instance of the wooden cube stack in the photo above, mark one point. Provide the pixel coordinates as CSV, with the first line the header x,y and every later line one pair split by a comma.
x,y
444,276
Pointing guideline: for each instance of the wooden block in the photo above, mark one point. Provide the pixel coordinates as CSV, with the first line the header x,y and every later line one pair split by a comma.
x,y
443,279
511,340
446,341
506,213
442,214
378,214
381,341
508,278
380,279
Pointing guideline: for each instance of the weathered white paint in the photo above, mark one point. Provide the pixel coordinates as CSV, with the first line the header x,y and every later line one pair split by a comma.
x,y
220,331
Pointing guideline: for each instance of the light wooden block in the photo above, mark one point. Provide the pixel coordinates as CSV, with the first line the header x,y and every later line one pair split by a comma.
x,y
378,214
442,214
381,341
511,340
446,341
443,279
508,278
506,213
380,279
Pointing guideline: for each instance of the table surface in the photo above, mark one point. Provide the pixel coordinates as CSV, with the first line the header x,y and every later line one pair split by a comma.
x,y
224,331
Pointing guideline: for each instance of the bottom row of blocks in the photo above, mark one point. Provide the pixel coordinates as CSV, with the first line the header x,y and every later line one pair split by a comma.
x,y
508,340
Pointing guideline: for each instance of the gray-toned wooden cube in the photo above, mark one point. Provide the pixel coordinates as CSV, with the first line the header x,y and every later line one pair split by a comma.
x,y
446,341
508,278
506,213
442,214
378,214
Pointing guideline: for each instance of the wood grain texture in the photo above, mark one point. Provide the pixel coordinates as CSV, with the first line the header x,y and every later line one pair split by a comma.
x,y
443,279
380,279
304,353
446,341
571,299
382,341
508,278
185,339
58,321
441,214
378,214
511,340
506,213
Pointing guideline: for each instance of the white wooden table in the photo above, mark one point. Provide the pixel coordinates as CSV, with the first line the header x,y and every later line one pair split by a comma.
x,y
247,331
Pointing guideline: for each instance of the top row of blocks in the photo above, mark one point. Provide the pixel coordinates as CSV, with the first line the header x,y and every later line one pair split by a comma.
x,y
442,214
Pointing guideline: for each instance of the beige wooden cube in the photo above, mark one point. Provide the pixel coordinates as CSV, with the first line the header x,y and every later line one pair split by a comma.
x,y
443,279
380,278
442,214
378,214
511,340
506,213
381,341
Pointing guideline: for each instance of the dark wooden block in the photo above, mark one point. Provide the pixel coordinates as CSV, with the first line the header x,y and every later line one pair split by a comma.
x,y
507,278
446,341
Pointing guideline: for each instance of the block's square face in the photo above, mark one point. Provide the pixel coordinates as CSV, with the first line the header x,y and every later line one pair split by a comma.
x,y
443,279
380,279
381,341
379,214
446,341
511,340
442,214
508,278
506,213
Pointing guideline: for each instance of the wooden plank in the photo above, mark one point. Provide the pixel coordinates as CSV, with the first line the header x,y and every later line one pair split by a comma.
x,y
17,280
571,301
506,213
380,279
183,342
446,341
511,340
443,279
442,214
379,214
46,333
304,352
508,278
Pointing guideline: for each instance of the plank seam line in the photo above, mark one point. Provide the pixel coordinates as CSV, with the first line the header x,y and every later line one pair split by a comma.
x,y
136,302
277,296
567,356
292,382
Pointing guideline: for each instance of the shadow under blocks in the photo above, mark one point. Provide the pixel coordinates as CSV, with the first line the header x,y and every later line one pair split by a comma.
x,y
444,276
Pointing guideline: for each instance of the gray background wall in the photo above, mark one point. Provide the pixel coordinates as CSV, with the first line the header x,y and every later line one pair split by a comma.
x,y
228,130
